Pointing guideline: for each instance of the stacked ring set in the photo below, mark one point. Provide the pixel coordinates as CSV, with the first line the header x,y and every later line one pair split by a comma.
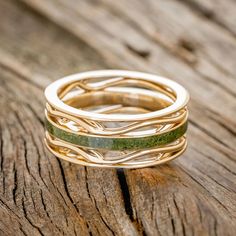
x,y
116,118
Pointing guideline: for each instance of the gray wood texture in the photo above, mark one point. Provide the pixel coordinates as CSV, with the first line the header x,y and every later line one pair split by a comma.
x,y
190,41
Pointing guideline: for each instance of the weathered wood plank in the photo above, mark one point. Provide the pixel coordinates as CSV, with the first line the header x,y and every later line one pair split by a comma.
x,y
42,195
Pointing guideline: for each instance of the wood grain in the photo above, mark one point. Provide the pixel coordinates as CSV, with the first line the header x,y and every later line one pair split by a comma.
x,y
190,41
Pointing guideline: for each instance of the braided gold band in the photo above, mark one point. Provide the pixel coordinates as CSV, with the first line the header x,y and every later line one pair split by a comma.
x,y
116,118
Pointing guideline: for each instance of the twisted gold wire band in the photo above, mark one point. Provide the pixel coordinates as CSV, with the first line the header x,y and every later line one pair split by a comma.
x,y
115,118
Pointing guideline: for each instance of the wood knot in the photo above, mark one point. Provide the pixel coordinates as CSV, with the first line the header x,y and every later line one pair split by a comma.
x,y
187,50
140,52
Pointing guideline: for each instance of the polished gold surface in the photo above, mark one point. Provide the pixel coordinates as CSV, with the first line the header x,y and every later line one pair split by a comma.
x,y
121,107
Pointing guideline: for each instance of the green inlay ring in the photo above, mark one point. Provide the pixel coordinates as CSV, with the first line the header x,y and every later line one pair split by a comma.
x,y
109,143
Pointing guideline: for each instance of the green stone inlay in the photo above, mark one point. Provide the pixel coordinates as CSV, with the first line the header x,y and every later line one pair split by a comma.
x,y
134,143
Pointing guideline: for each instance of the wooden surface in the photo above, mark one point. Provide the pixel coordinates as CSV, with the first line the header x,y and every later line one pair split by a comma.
x,y
191,41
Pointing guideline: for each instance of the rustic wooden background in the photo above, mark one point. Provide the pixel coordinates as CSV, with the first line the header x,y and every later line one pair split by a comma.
x,y
191,41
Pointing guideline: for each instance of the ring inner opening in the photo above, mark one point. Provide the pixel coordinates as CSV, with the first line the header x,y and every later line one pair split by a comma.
x,y
117,96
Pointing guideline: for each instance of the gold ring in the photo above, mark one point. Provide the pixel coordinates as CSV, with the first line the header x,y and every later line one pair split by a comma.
x,y
116,118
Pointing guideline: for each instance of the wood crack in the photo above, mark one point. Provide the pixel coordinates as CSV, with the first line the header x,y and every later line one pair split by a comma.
x,y
171,220
101,217
178,212
66,188
9,209
125,193
64,184
26,158
46,211
15,183
1,149
95,203
26,215
127,200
